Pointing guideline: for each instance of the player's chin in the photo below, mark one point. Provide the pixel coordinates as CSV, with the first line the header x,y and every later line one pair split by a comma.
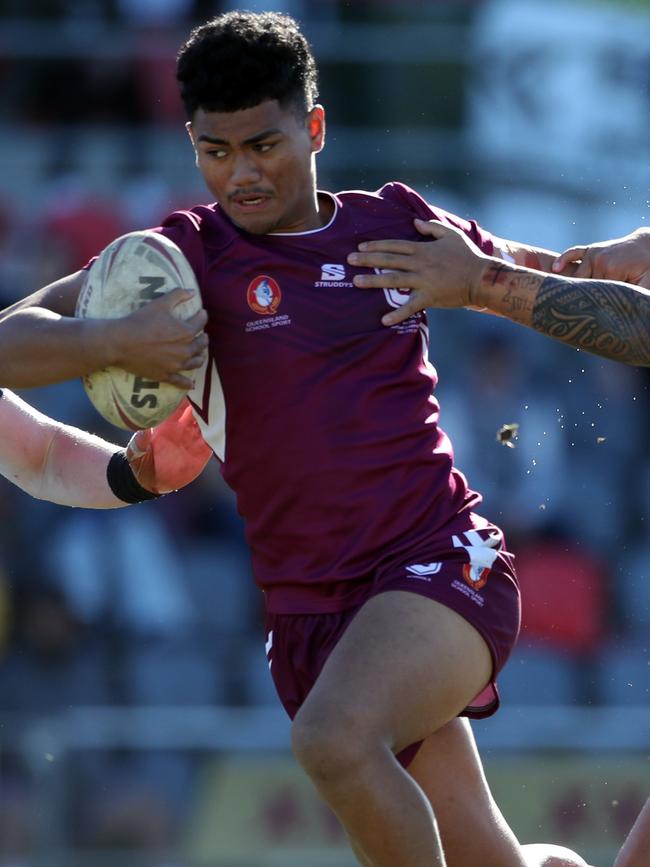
x,y
254,223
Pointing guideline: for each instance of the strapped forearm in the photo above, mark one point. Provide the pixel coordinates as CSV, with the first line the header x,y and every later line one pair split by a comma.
x,y
607,318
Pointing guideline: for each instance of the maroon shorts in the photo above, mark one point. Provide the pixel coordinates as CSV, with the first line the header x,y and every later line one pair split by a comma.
x,y
474,577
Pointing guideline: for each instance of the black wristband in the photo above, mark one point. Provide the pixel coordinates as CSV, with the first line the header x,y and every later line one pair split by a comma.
x,y
0,392
123,483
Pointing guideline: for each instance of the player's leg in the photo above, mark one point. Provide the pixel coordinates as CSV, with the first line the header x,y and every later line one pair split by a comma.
x,y
448,768
548,855
635,851
405,667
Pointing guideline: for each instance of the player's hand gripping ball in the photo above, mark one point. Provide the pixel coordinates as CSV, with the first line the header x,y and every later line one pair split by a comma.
x,y
129,273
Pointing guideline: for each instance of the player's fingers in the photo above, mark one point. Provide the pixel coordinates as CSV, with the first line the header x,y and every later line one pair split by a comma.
x,y
387,280
195,362
180,381
401,313
200,342
433,228
175,297
404,248
197,322
573,254
394,261
199,346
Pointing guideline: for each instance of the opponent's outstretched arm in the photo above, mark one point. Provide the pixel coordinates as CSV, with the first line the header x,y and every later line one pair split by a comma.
x,y
608,318
56,462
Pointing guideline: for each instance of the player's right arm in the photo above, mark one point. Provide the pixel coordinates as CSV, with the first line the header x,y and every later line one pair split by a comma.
x,y
41,341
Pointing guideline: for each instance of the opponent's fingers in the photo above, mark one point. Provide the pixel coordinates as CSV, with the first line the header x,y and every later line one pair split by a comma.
x,y
404,248
644,280
381,259
584,270
401,313
387,280
573,254
434,228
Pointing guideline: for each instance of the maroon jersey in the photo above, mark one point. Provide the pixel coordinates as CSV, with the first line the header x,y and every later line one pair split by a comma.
x,y
323,418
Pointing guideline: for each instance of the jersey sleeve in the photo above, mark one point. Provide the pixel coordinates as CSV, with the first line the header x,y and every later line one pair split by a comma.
x,y
184,229
424,211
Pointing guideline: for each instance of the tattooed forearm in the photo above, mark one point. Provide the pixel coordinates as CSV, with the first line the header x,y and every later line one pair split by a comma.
x,y
604,317
601,316
510,290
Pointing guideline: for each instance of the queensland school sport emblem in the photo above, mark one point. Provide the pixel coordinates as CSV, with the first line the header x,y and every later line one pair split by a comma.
x,y
475,576
263,295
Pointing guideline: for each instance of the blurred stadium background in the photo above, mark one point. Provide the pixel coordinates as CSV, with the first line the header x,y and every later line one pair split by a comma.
x,y
138,724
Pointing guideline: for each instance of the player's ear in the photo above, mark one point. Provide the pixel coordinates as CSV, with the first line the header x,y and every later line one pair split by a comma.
x,y
316,128
190,132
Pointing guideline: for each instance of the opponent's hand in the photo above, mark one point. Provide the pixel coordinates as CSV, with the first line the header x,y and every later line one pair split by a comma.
x,y
171,455
154,344
626,259
443,273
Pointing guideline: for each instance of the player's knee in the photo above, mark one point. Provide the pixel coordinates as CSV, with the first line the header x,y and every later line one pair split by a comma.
x,y
329,745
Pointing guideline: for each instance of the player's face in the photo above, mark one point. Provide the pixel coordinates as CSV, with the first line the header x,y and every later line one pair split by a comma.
x,y
258,163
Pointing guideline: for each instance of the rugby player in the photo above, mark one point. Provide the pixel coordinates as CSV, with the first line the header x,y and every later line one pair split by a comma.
x,y
391,604
65,465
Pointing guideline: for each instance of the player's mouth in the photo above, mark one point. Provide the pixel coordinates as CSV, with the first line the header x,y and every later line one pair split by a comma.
x,y
250,202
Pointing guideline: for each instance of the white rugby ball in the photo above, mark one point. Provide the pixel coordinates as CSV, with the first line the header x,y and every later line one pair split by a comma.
x,y
132,271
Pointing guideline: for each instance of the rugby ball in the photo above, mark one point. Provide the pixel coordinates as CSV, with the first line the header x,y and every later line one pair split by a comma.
x,y
132,271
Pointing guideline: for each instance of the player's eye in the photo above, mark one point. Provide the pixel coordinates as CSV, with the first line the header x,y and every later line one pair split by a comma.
x,y
264,147
217,153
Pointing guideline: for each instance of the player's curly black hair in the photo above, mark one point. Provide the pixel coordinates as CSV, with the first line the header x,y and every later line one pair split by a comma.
x,y
240,59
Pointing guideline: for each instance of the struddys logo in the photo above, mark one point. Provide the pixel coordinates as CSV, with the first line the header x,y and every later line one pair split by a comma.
x,y
264,295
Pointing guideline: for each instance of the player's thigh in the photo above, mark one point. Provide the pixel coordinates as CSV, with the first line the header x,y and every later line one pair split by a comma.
x,y
404,667
473,831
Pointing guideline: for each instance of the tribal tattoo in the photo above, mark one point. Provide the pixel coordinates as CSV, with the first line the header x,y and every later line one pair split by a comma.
x,y
604,317
607,318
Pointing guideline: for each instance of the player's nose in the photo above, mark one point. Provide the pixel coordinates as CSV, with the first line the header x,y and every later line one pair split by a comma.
x,y
244,171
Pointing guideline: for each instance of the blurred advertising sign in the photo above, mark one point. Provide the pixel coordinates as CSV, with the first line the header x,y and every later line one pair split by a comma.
x,y
588,803
562,86
262,810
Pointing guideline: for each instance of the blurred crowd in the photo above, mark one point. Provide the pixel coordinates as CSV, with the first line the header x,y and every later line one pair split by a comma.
x,y
155,604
